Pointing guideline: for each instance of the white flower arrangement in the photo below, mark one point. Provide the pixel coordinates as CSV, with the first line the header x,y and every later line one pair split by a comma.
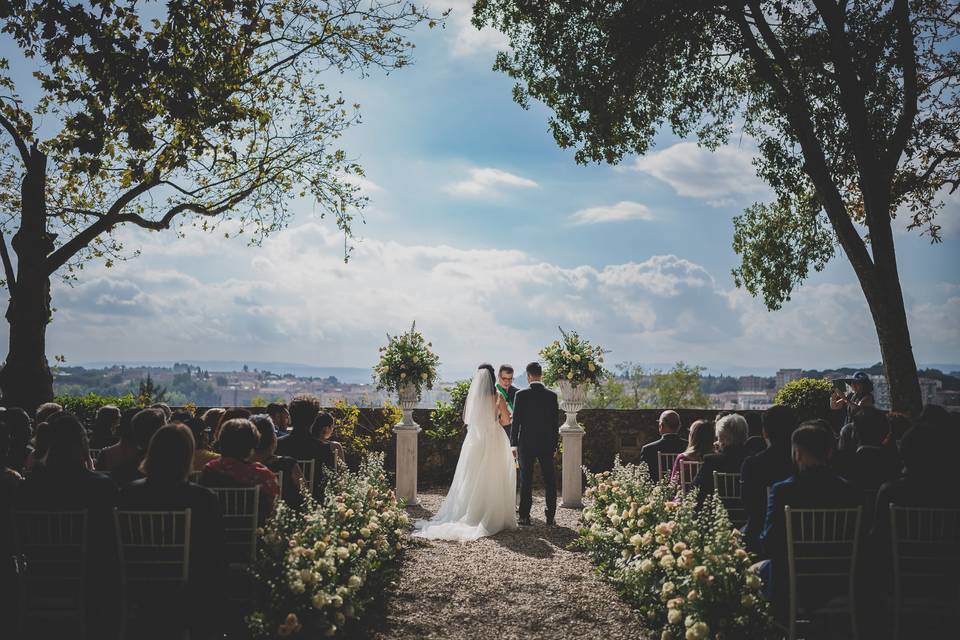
x,y
684,569
319,568
572,359
406,359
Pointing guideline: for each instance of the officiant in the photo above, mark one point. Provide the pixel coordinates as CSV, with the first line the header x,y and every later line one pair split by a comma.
x,y
506,393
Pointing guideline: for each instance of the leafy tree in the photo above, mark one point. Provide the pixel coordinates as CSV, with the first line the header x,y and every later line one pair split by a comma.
x,y
854,107
148,392
169,116
678,388
809,397
610,393
446,419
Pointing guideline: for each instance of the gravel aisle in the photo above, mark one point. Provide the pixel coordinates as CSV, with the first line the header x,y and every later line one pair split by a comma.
x,y
517,584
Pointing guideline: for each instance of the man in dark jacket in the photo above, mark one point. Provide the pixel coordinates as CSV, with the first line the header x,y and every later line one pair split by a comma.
x,y
669,442
813,486
535,436
301,444
761,471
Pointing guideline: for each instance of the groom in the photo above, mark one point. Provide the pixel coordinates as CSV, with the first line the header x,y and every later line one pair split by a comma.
x,y
534,435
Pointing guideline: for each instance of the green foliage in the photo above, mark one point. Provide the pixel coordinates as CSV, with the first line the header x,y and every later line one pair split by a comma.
x,y
85,407
258,401
446,419
809,397
407,359
149,393
572,359
610,394
677,388
321,567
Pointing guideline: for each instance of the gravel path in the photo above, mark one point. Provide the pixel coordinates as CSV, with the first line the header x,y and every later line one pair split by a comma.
x,y
517,584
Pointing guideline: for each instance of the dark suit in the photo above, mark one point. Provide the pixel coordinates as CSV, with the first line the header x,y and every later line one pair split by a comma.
x,y
300,445
668,443
757,474
816,488
728,461
535,435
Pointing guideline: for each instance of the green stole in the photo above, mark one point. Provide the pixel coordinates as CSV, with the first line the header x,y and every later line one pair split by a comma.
x,y
506,396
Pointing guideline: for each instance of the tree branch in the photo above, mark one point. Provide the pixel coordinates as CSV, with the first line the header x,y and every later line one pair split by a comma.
x,y
17,139
907,56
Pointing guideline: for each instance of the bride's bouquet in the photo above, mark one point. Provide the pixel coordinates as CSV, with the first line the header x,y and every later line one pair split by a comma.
x,y
572,359
407,359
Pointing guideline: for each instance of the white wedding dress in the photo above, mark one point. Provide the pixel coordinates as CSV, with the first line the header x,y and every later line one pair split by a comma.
x,y
482,498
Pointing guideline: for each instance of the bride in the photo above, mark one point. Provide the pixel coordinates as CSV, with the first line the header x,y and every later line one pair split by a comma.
x,y
482,498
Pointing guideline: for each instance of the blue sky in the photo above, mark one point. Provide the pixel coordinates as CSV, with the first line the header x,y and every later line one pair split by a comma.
x,y
489,235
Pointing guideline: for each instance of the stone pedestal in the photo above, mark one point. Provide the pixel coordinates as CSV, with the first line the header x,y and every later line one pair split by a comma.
x,y
572,399
407,431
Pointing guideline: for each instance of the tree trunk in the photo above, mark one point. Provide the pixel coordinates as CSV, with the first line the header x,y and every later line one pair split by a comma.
x,y
25,379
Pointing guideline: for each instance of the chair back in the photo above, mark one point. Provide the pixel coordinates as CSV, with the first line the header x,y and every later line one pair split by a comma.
x,y
94,454
688,473
926,544
729,488
279,475
665,464
822,546
195,476
309,468
51,550
239,507
154,546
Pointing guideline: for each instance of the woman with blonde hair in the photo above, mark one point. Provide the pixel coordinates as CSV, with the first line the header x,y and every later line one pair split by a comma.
x,y
699,444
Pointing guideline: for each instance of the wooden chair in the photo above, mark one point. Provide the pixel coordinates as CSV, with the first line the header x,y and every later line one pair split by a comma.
x,y
822,546
195,476
309,468
926,552
154,550
51,555
279,475
688,473
239,509
729,488
94,454
665,464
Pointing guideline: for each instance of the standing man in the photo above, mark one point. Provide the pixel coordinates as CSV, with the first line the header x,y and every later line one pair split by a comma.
x,y
669,442
534,434
506,394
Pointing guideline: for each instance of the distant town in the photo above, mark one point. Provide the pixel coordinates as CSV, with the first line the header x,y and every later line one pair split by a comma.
x,y
184,383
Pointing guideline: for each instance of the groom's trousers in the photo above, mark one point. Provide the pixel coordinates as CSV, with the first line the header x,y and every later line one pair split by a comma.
x,y
527,462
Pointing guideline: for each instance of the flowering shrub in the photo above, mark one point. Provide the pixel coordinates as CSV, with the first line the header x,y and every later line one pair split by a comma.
x,y
808,397
685,570
407,359
318,568
572,359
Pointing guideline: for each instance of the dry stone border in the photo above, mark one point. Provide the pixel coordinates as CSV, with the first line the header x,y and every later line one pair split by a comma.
x,y
522,584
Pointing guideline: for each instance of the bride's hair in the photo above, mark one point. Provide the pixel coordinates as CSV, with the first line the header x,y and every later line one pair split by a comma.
x,y
489,369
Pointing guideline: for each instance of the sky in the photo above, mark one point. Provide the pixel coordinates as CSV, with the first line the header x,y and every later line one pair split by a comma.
x,y
490,236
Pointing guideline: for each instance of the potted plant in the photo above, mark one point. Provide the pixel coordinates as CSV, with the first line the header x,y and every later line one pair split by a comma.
x,y
407,366
572,364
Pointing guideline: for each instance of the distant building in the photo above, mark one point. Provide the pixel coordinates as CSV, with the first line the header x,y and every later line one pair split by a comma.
x,y
753,383
931,392
787,375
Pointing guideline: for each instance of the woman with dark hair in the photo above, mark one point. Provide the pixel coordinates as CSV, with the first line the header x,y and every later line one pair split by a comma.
x,y
105,426
228,414
236,466
19,434
166,468
124,451
699,445
40,443
202,453
323,429
266,455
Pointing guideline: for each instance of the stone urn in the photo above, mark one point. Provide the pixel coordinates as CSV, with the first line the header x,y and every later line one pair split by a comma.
x,y
407,431
409,397
572,399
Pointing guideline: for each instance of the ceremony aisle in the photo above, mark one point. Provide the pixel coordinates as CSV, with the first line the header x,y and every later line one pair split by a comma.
x,y
517,584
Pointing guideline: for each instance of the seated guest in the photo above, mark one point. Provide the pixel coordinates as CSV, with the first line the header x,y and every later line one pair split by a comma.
x,y
105,427
9,481
125,450
872,464
236,467
669,442
280,415
19,433
40,443
165,408
202,453
899,424
181,416
166,467
699,445
814,485
228,414
756,441
64,483
323,429
46,411
759,472
211,418
145,423
266,455
731,436
300,443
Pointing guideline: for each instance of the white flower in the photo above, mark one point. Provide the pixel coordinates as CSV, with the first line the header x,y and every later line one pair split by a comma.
x,y
320,600
615,521
336,601
354,582
748,600
674,616
402,375
423,376
667,561
753,581
646,566
365,532
636,540
343,553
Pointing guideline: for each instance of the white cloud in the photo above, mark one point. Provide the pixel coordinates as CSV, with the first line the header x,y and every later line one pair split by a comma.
x,y
486,182
714,176
619,212
466,39
365,184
